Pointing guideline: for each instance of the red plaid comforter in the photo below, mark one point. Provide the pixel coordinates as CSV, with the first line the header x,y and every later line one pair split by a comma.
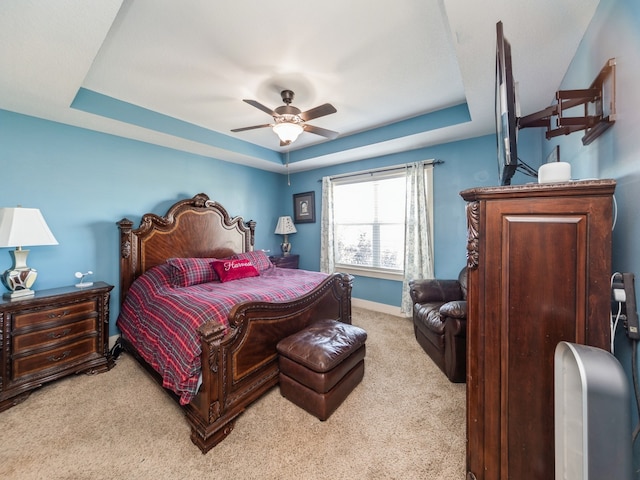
x,y
161,321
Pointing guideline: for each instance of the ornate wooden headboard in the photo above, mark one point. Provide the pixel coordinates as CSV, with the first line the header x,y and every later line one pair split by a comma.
x,y
195,227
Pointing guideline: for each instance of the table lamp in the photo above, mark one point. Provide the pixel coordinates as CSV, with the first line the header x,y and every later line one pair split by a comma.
x,y
22,227
285,227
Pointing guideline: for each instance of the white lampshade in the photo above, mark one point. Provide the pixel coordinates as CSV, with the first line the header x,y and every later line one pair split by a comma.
x,y
287,132
20,227
285,226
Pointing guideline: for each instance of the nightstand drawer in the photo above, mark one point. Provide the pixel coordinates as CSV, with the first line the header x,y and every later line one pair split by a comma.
x,y
65,312
55,358
53,336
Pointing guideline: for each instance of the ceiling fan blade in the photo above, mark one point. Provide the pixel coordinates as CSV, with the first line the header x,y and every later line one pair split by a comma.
x,y
250,128
321,111
320,131
260,106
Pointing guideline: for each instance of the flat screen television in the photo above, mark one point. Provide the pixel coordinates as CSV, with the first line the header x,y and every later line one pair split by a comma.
x,y
506,110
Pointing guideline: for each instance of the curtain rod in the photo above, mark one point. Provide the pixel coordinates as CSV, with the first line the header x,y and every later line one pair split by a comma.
x,y
383,169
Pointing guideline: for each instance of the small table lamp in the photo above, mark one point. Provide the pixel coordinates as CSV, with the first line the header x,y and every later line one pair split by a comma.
x,y
285,227
19,227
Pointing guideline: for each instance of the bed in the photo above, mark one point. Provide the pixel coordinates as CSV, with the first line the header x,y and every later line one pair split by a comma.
x,y
237,358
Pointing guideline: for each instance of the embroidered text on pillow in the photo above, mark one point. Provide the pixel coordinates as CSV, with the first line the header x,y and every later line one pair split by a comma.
x,y
228,265
235,269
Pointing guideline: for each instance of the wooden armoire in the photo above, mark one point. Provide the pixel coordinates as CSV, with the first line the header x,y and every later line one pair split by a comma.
x,y
539,260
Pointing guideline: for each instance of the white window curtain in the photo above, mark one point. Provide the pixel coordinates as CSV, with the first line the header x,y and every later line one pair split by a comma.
x,y
327,257
418,253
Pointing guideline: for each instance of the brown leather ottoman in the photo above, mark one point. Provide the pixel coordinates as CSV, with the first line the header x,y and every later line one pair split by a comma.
x,y
321,365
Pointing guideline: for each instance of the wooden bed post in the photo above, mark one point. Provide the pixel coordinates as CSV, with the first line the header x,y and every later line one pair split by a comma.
x,y
126,263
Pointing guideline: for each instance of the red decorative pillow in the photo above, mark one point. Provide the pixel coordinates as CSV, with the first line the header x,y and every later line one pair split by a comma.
x,y
235,269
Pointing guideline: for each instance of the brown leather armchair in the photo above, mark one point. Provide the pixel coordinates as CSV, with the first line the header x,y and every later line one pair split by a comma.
x,y
440,322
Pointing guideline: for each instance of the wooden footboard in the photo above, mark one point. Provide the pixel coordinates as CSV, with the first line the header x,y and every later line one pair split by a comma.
x,y
241,366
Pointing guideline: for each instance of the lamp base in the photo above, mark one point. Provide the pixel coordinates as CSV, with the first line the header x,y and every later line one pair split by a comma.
x,y
19,278
286,248
25,292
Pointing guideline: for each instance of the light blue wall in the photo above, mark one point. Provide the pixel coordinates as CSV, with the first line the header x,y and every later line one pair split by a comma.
x,y
468,163
614,32
84,182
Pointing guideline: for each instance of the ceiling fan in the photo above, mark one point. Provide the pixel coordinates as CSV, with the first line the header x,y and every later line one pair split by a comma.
x,y
289,122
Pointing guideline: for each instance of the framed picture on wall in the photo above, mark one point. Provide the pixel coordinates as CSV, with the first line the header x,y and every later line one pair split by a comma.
x,y
304,207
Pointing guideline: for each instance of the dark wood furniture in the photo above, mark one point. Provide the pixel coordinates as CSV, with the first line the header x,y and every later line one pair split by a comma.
x,y
55,333
285,261
240,365
539,260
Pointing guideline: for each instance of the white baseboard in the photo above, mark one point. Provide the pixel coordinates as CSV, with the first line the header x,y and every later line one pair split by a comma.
x,y
112,340
377,307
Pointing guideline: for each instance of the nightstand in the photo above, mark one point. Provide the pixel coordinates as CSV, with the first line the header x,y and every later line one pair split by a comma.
x,y
285,261
52,334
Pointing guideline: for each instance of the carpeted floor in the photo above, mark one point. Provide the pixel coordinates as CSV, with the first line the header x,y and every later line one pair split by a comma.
x,y
404,421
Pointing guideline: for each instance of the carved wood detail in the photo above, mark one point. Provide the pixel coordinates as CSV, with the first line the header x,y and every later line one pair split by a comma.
x,y
473,234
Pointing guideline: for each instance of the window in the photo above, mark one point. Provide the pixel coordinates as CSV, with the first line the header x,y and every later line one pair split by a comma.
x,y
369,222
364,223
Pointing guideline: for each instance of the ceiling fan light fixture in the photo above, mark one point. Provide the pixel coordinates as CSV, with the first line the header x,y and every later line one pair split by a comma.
x,y
287,132
289,122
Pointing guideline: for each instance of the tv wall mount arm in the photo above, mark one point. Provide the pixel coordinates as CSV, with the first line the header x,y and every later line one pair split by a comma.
x,y
598,101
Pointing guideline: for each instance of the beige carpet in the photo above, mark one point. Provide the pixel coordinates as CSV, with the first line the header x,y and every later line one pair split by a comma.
x,y
404,421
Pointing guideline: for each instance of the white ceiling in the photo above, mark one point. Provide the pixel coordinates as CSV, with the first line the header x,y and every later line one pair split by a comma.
x,y
189,64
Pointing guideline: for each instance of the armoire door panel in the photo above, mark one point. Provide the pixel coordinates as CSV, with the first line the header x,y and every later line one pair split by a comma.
x,y
543,308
